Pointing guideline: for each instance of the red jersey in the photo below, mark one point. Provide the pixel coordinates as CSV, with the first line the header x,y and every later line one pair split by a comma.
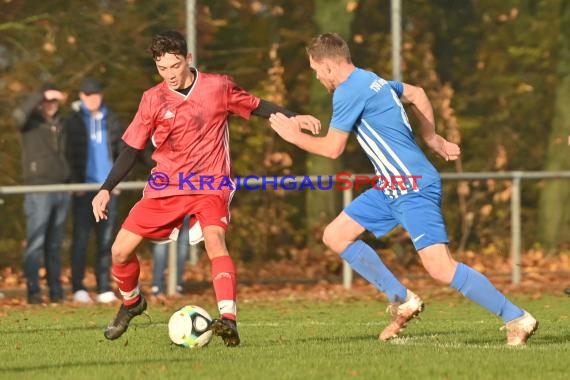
x,y
190,133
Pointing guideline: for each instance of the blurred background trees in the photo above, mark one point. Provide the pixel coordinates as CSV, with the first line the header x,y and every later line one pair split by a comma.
x,y
497,73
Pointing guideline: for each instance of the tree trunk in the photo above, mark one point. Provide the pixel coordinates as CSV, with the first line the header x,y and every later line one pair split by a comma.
x,y
554,214
323,205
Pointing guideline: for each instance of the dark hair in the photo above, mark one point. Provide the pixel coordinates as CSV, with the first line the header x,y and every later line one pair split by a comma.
x,y
329,45
48,86
171,42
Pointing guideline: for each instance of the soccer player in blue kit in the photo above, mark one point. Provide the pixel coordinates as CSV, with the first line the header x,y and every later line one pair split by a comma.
x,y
371,107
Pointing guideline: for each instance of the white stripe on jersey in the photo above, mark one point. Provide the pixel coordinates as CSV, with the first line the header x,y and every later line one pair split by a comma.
x,y
392,170
392,154
373,144
386,169
402,111
378,167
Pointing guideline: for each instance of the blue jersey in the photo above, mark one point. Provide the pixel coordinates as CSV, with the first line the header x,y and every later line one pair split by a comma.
x,y
371,107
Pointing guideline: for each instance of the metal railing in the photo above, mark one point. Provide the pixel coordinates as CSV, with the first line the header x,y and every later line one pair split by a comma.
x,y
516,177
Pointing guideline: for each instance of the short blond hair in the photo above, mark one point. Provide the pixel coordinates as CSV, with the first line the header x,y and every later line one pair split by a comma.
x,y
329,45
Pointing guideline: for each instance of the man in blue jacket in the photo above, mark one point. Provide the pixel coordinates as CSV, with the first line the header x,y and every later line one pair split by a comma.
x,y
93,143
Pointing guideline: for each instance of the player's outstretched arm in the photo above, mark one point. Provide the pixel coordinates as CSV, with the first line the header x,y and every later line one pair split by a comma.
x,y
332,145
423,110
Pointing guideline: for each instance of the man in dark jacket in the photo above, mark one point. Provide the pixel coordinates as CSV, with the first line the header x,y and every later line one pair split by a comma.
x,y
93,142
44,163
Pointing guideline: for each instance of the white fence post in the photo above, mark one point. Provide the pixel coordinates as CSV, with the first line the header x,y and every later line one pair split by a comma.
x,y
346,269
172,267
516,228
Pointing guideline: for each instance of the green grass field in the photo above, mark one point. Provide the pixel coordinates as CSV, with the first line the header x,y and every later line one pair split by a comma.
x,y
288,339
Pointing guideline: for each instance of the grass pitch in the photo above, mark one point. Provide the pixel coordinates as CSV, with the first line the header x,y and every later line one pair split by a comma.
x,y
287,339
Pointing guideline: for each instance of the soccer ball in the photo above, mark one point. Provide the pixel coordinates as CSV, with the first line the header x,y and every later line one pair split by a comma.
x,y
190,327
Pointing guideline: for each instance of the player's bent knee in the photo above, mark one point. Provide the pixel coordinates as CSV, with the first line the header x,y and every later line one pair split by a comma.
x,y
119,254
327,237
438,262
215,241
441,274
444,278
215,247
330,239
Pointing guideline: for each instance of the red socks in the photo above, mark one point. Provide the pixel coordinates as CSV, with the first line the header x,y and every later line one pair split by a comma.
x,y
127,277
223,278
225,284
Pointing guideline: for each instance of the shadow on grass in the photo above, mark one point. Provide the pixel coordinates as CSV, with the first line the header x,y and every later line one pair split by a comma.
x,y
86,364
142,324
487,338
549,339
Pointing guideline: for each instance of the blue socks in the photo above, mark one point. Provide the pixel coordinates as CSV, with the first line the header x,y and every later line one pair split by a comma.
x,y
366,262
472,284
479,289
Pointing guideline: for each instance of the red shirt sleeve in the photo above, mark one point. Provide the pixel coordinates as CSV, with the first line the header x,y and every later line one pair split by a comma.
x,y
141,128
240,102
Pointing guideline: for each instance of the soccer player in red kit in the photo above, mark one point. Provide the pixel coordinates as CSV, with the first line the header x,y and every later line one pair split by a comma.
x,y
186,118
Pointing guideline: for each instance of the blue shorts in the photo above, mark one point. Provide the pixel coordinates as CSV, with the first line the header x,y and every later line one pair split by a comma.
x,y
418,212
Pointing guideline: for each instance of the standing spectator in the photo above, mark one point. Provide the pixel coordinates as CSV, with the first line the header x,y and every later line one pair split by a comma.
x,y
160,261
94,139
43,158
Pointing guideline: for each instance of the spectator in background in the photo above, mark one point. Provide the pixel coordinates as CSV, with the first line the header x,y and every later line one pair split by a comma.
x,y
160,261
44,163
94,140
